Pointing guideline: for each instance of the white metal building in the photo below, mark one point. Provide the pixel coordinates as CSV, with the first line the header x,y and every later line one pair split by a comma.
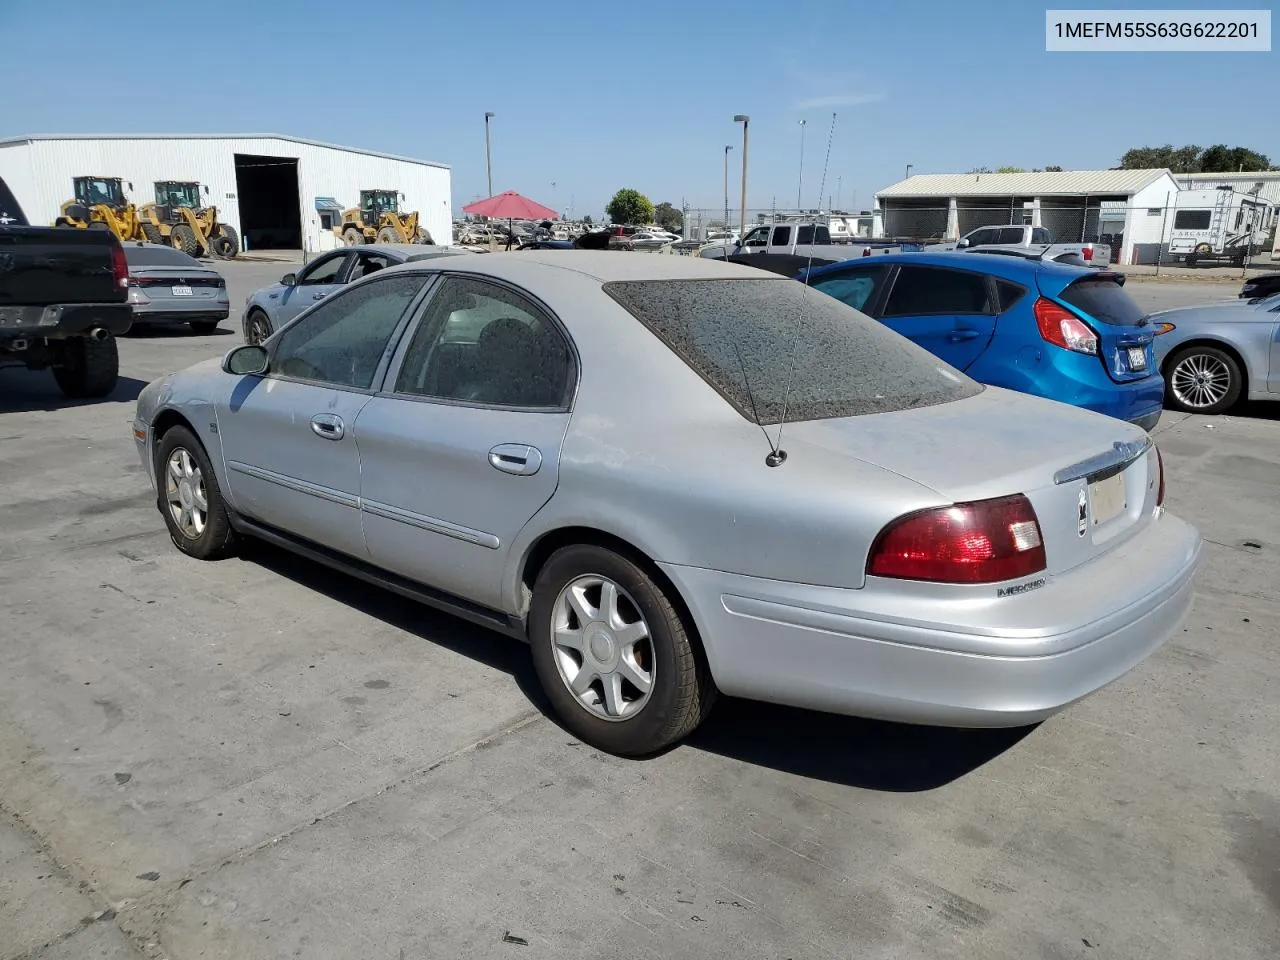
x,y
1122,207
273,189
1264,184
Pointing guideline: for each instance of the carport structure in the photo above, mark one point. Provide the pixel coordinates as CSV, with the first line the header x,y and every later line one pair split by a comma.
x,y
1121,207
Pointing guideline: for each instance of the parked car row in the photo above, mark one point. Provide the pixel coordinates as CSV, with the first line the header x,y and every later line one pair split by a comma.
x,y
588,452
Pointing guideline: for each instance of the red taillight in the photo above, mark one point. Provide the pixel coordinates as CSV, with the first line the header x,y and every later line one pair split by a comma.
x,y
119,266
1087,252
981,542
866,251
1062,328
1160,485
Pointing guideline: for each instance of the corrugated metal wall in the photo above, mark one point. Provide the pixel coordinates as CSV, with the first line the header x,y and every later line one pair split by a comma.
x,y
915,218
322,172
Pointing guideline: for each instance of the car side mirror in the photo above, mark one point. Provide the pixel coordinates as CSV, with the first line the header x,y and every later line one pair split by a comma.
x,y
289,279
961,243
250,358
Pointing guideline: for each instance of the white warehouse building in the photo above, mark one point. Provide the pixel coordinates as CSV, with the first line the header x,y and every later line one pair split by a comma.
x,y
1124,208
278,192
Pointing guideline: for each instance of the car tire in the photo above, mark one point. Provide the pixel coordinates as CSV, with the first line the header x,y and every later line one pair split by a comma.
x,y
257,327
203,327
680,690
1202,379
87,367
228,242
204,533
352,237
183,238
152,234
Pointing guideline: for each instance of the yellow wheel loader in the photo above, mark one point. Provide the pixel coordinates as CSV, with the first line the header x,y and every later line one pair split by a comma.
x,y
378,219
177,220
100,204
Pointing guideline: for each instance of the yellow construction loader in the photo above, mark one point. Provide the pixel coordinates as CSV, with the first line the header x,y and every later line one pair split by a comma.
x,y
100,204
177,220
378,219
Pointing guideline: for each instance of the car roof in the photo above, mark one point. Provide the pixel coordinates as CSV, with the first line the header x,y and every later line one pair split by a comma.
x,y
1013,268
602,265
144,254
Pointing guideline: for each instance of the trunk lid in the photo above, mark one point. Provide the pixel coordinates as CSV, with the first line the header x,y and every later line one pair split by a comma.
x,y
164,283
1125,337
47,265
1000,443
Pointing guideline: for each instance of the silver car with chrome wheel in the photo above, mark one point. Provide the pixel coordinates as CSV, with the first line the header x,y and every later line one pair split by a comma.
x,y
673,476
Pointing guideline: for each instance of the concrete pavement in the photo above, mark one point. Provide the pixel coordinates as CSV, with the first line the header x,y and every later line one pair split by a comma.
x,y
261,759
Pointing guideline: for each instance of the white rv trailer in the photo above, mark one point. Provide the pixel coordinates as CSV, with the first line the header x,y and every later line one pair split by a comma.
x,y
1221,224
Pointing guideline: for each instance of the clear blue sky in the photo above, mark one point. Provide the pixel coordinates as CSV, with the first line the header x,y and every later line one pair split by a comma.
x,y
598,95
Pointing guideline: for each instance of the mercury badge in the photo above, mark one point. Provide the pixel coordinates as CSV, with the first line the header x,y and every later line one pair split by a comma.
x,y
1082,512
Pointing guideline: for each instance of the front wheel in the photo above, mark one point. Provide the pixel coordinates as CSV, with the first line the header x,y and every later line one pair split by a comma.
x,y
183,238
388,235
1204,380
352,237
613,654
190,499
257,327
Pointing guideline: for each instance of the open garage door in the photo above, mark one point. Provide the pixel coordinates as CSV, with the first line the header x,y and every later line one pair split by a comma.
x,y
270,205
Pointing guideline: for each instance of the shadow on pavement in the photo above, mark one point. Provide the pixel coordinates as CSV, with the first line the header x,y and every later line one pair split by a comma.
x,y
870,754
26,390
157,331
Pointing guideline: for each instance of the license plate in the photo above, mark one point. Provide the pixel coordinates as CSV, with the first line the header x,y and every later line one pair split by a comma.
x,y
1137,358
1106,499
182,291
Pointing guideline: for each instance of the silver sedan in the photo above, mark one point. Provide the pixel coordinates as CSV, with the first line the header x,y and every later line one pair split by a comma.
x,y
270,308
1214,355
673,476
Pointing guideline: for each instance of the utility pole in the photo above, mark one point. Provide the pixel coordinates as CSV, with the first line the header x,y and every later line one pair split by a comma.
x,y
488,156
727,148
800,182
745,120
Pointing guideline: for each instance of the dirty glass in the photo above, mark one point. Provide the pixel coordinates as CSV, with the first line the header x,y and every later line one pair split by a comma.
x,y
766,344
1104,300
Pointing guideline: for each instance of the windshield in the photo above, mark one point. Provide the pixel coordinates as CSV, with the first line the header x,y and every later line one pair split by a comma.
x,y
1104,300
766,344
178,194
94,191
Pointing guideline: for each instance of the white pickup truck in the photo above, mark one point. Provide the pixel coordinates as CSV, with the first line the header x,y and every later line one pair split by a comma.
x,y
1031,239
795,239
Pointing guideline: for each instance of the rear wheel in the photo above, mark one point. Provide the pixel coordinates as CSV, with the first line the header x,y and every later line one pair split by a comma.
x,y
87,367
257,327
352,237
183,238
613,653
1203,379
152,233
190,499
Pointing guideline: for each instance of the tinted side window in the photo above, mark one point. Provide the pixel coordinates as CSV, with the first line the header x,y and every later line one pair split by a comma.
x,y
856,288
979,237
804,234
1009,293
326,271
1040,235
781,236
1010,235
925,290
483,343
342,341
367,263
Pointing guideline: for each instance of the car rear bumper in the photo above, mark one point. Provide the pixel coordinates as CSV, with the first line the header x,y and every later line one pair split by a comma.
x,y
63,320
976,662
166,313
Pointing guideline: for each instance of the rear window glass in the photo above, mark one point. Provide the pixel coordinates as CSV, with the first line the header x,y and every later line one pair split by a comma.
x,y
766,344
1191,220
158,256
1104,300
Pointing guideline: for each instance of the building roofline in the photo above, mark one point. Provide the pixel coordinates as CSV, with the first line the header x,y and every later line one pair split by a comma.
x,y
1154,174
32,138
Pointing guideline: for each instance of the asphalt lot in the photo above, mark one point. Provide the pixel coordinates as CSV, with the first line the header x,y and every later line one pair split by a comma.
x,y
261,759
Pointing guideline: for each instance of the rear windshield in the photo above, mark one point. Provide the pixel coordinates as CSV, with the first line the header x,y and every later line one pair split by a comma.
x,y
1104,300
766,344
158,256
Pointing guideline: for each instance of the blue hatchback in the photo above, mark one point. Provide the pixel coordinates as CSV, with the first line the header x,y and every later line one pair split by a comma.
x,y
1066,333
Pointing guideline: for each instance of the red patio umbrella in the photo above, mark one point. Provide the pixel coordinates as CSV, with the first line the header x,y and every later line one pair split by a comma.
x,y
509,206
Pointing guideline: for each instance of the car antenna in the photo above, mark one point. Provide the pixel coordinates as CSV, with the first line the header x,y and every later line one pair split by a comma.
x,y
777,456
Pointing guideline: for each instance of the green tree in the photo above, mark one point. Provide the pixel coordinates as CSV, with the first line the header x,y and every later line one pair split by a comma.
x,y
1178,159
668,217
980,170
630,206
1010,170
1223,159
1052,169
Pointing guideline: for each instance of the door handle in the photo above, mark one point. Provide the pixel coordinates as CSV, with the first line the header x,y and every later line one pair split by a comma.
x,y
318,296
516,458
327,425
963,334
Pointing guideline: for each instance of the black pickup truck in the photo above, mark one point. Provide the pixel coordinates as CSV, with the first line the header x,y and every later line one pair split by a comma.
x,y
63,301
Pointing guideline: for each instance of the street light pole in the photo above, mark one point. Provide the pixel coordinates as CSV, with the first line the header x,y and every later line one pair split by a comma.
x,y
908,176
745,120
488,157
800,184
726,187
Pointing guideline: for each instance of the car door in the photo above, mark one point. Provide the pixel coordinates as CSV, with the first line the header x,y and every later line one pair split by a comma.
x,y
287,439
314,282
949,312
462,447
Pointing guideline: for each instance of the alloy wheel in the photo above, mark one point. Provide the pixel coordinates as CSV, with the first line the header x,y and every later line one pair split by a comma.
x,y
185,492
1200,380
